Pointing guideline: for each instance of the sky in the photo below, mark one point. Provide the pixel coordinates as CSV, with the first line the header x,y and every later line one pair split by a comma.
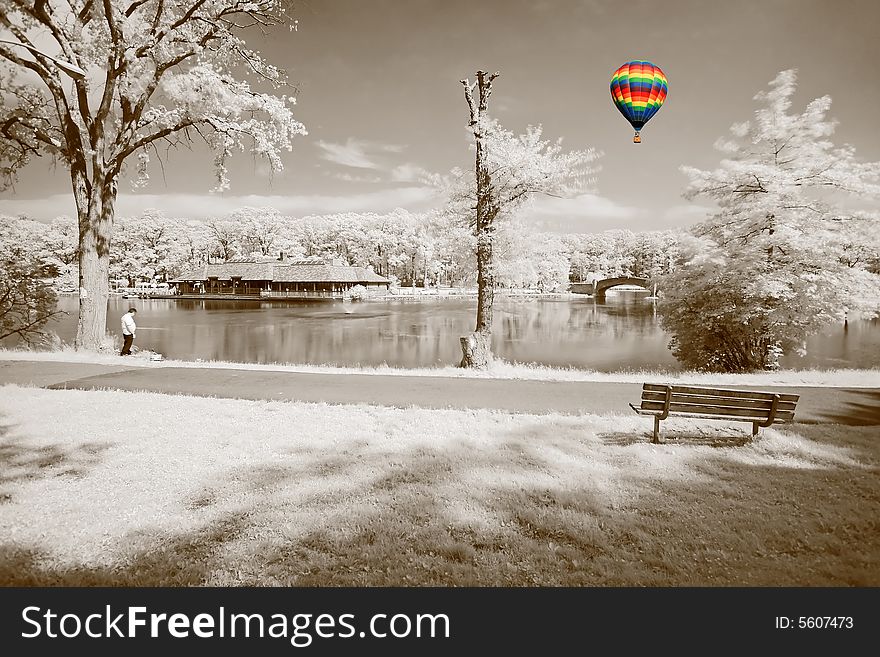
x,y
377,87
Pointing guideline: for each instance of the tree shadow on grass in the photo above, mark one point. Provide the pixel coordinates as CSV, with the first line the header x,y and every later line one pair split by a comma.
x,y
21,459
624,438
865,412
861,440
407,527
770,511
544,505
184,560
684,434
734,516
761,524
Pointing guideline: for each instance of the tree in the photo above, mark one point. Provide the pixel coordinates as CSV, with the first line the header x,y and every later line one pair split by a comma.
x,y
508,170
194,244
158,71
454,241
259,230
860,241
552,263
224,239
587,255
61,240
513,263
776,263
27,299
147,247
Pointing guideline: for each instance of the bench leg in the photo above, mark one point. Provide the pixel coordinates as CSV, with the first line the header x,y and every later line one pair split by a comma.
x,y
656,429
754,429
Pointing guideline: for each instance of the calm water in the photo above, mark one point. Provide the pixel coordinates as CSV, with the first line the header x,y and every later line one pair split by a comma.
x,y
622,333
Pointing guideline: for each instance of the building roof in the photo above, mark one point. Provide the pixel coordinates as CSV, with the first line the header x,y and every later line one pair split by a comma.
x,y
286,272
226,271
369,276
314,273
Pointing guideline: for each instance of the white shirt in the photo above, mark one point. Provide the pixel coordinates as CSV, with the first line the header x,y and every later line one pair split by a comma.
x,y
128,325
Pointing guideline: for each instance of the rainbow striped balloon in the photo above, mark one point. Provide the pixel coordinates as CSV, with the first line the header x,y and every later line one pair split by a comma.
x,y
638,89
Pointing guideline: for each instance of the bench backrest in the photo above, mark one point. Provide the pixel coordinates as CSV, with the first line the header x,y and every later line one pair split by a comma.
x,y
719,402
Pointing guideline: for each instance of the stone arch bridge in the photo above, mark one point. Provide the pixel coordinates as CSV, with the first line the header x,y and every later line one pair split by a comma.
x,y
598,287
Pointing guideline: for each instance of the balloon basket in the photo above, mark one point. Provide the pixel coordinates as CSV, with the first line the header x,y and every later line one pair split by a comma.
x,y
637,139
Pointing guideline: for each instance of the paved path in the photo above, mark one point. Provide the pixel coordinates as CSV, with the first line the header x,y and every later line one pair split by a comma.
x,y
854,406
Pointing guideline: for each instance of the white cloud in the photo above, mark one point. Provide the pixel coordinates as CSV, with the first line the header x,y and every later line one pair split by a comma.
x,y
201,206
590,213
355,178
357,153
585,213
412,173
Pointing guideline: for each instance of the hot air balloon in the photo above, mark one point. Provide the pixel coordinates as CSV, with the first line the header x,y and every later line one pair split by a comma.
x,y
638,89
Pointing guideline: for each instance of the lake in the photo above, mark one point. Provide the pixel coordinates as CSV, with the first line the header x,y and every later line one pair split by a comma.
x,y
623,333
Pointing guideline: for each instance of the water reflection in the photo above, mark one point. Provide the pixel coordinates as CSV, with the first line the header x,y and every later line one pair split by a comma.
x,y
620,334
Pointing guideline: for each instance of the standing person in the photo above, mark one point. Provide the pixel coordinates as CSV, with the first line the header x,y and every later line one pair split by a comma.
x,y
128,331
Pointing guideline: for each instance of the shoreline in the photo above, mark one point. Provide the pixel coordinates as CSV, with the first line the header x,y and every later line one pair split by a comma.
x,y
430,294
852,378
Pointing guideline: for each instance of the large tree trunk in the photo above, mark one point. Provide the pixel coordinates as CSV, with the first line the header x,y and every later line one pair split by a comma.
x,y
95,228
476,350
477,347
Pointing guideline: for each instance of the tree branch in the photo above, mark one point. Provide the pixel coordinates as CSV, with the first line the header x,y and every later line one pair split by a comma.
x,y
134,7
159,134
40,13
469,97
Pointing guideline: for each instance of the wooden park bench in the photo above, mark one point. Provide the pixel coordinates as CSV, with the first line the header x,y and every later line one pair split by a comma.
x,y
762,409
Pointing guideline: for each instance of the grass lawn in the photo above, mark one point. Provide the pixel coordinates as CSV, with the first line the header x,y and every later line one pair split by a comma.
x,y
115,488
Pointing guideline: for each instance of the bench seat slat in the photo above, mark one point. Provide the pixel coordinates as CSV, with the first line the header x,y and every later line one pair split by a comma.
x,y
725,392
709,416
739,402
715,409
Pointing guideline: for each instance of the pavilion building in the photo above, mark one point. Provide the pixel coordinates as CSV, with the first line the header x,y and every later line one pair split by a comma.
x,y
283,279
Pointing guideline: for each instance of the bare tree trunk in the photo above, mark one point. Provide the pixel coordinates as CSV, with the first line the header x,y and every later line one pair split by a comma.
x,y
478,352
477,347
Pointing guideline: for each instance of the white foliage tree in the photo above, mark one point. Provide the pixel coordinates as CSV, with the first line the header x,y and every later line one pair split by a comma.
x,y
194,244
157,71
513,256
776,262
509,169
61,239
553,263
224,239
148,247
259,230
27,299
454,244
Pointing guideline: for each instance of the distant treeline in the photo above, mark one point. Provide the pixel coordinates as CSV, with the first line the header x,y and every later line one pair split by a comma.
x,y
409,248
